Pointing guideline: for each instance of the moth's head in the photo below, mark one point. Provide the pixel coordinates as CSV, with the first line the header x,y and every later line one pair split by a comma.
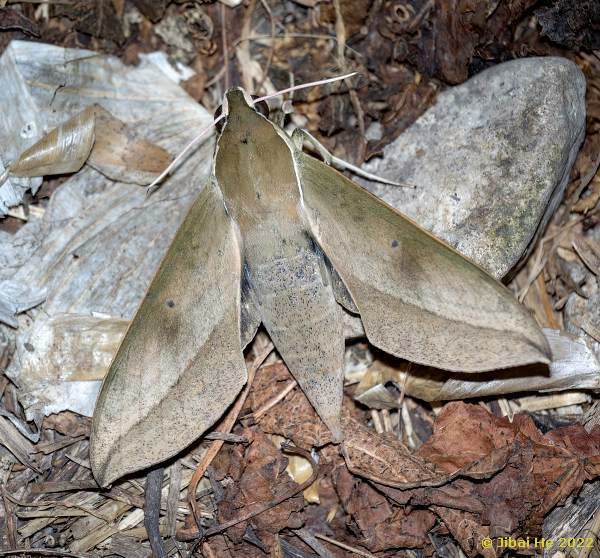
x,y
235,103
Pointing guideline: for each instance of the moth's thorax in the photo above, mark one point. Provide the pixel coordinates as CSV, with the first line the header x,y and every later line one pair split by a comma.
x,y
254,168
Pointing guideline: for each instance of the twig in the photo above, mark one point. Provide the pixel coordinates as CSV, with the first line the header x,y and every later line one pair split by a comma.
x,y
541,259
387,421
224,45
4,175
225,426
546,303
41,552
401,401
345,546
62,486
154,481
226,437
340,31
121,495
49,448
215,78
245,62
376,421
274,400
592,532
56,504
294,36
306,536
10,519
427,6
64,2
175,476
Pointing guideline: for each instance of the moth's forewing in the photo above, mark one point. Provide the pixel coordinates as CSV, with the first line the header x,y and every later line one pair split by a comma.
x,y
180,364
418,298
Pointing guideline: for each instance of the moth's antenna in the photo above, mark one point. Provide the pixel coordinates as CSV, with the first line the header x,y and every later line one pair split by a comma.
x,y
154,185
304,86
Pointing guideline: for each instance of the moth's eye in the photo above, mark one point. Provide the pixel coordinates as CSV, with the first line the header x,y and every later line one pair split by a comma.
x,y
262,107
219,125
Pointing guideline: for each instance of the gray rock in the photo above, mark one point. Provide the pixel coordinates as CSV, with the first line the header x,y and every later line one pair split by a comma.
x,y
491,159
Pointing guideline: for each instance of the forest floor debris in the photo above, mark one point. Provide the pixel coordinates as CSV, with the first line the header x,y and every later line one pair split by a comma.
x,y
413,478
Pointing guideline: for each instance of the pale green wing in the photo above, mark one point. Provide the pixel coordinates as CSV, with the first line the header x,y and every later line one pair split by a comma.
x,y
419,299
180,364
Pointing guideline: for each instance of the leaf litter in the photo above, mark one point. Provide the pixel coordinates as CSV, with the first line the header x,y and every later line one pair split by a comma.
x,y
431,478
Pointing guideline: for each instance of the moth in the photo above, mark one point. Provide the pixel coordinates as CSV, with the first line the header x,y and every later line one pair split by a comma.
x,y
277,237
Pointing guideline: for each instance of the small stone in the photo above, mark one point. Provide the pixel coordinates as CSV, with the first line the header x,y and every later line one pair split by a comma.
x,y
491,159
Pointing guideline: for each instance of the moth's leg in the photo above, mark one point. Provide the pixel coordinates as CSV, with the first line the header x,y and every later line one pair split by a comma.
x,y
278,117
300,137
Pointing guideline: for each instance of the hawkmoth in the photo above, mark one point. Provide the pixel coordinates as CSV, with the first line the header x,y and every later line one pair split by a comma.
x,y
279,238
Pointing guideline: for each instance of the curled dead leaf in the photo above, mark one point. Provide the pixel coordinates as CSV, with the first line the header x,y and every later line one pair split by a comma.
x,y
300,470
63,150
261,480
525,473
541,471
94,136
386,460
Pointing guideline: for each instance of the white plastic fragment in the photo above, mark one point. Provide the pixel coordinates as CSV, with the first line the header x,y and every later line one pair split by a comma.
x,y
15,298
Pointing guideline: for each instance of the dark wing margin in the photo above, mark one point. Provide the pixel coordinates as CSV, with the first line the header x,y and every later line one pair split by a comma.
x,y
249,317
180,364
418,298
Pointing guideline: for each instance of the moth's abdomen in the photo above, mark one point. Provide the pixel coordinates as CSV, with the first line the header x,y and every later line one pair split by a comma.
x,y
298,308
292,292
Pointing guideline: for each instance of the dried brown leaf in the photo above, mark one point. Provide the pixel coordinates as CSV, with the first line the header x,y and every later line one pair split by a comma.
x,y
263,477
10,18
385,459
384,526
98,138
293,417
68,423
93,17
540,473
121,154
